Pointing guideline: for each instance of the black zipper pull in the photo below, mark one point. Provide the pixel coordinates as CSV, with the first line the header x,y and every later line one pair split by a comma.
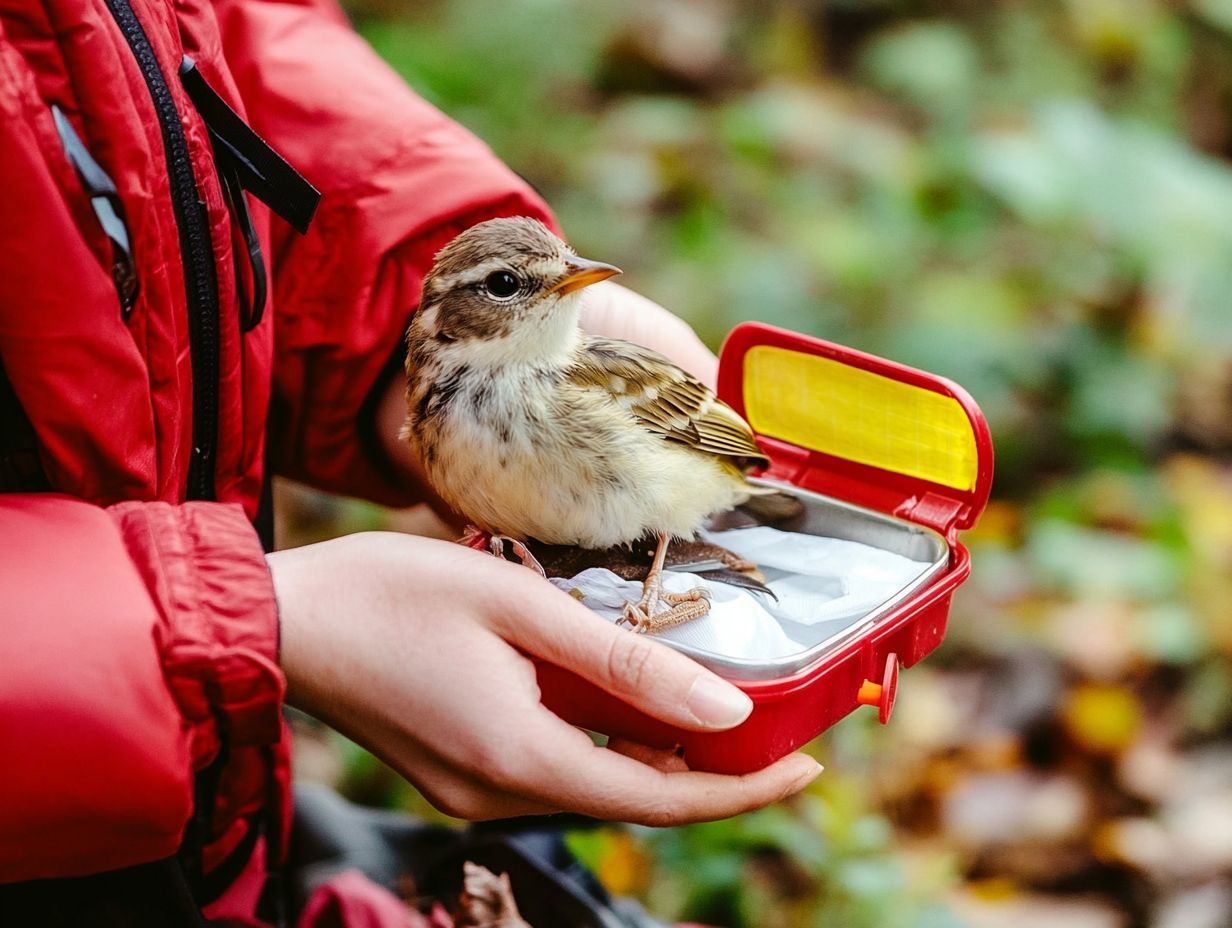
x,y
246,162
261,171
108,208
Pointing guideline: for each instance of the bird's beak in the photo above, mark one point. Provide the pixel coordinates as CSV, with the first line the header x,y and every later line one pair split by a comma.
x,y
582,272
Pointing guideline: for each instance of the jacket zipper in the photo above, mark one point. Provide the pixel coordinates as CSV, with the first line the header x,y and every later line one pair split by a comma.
x,y
197,254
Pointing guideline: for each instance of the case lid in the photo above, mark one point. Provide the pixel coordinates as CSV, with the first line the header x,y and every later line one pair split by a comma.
x,y
861,428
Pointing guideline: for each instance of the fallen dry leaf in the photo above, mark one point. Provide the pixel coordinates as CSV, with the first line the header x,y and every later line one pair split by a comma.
x,y
486,900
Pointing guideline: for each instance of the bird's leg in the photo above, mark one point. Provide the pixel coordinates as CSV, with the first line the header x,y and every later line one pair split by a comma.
x,y
480,540
652,586
685,606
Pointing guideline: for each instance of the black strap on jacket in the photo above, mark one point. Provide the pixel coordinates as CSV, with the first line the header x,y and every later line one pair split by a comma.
x,y
246,162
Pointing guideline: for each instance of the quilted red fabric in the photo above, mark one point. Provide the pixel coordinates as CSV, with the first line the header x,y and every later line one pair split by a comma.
x,y
140,627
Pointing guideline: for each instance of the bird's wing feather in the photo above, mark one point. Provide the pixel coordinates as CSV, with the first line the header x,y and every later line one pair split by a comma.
x,y
663,398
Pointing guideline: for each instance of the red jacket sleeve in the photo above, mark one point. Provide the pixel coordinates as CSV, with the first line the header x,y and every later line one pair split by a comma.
x,y
398,180
132,635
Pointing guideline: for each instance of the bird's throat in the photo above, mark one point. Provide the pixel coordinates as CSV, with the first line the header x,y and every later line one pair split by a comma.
x,y
546,343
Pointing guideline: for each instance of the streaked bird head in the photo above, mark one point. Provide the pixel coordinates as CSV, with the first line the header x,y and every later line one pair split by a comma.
x,y
509,287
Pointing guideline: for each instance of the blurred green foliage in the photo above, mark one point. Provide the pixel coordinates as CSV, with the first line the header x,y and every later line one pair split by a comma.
x,y
1030,197
1006,194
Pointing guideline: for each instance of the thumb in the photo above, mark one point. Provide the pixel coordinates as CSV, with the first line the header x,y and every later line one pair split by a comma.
x,y
640,671
618,312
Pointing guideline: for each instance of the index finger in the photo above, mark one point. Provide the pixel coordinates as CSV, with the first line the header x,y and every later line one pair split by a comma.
x,y
604,784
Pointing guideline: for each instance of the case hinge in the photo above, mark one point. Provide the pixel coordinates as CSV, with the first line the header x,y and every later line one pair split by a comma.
x,y
934,510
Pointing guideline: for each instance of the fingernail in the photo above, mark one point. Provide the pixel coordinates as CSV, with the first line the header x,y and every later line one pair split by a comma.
x,y
809,775
716,704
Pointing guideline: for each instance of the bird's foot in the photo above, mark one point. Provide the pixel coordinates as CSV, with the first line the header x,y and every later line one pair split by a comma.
x,y
644,616
480,540
686,607
497,545
475,537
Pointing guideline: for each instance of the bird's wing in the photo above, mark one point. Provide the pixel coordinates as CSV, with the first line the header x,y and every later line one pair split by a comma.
x,y
663,398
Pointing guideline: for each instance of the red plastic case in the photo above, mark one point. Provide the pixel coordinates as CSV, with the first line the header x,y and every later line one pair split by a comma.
x,y
902,442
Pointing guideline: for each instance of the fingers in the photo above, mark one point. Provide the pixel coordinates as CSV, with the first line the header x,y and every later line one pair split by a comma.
x,y
609,785
640,671
678,798
618,312
663,760
452,789
556,767
626,782
470,800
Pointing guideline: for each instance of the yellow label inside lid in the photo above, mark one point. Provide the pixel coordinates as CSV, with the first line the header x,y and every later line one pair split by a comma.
x,y
831,407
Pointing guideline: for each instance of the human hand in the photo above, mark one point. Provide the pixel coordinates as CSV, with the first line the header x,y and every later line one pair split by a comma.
x,y
417,650
614,311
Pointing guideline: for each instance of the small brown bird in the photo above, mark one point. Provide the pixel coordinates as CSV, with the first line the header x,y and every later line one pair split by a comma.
x,y
533,430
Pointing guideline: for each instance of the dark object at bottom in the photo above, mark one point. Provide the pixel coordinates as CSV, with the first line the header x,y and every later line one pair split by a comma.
x,y
154,895
552,889
330,836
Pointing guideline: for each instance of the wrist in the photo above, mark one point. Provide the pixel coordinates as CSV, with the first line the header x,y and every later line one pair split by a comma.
x,y
334,600
294,621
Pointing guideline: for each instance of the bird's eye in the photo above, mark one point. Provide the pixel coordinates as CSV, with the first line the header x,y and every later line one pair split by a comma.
x,y
501,284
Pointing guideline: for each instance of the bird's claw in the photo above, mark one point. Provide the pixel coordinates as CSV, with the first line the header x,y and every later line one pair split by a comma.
x,y
475,537
480,540
635,617
686,607
523,554
689,596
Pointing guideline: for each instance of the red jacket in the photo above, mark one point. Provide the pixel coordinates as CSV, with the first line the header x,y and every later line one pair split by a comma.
x,y
138,627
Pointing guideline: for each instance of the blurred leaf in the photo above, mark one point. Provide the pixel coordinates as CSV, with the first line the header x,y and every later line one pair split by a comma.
x,y
1083,562
1218,12
1169,633
1208,697
932,65
1103,719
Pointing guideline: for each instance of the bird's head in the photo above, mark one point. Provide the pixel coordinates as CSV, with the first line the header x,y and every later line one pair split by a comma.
x,y
509,287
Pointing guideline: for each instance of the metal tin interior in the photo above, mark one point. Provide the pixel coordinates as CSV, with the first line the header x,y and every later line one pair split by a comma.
x,y
834,518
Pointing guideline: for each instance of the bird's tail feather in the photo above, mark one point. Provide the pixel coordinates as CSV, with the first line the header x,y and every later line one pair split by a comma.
x,y
769,506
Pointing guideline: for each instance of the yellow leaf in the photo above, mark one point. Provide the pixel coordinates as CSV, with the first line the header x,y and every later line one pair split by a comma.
x,y
623,868
1102,719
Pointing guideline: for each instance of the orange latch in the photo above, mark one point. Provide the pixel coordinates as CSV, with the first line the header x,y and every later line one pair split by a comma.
x,y
883,694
